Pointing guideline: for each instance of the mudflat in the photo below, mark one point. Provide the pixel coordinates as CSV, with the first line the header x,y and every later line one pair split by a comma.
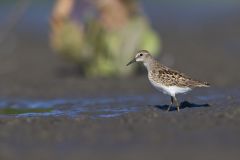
x,y
126,127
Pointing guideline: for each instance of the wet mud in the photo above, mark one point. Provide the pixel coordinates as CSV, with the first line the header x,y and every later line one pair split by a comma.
x,y
122,127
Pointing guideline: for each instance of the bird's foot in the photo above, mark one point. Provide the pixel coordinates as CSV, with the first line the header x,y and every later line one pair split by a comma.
x,y
169,107
178,109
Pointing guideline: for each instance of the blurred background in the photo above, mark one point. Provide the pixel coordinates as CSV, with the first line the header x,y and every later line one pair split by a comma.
x,y
79,38
65,90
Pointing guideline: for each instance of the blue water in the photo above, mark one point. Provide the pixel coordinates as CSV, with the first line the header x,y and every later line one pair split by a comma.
x,y
103,107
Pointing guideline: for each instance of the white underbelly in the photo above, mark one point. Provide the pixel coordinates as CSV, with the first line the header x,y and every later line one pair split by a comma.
x,y
170,90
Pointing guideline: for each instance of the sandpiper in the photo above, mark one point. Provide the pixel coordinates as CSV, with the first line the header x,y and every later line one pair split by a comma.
x,y
166,80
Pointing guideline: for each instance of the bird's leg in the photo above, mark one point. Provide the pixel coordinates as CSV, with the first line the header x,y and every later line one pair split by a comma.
x,y
176,102
169,107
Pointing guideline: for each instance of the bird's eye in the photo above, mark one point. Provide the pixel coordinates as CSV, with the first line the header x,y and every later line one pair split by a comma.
x,y
141,54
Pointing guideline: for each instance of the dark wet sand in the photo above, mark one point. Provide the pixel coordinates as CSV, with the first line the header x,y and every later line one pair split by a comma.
x,y
199,131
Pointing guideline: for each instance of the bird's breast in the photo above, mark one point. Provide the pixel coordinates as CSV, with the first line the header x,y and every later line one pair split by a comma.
x,y
169,90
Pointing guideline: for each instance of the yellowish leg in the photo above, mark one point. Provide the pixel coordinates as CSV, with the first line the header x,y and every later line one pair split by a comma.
x,y
169,107
176,102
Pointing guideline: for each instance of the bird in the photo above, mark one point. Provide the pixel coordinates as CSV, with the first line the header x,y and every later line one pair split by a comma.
x,y
165,79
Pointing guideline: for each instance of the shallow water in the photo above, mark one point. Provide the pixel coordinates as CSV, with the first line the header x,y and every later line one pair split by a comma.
x,y
104,107
94,107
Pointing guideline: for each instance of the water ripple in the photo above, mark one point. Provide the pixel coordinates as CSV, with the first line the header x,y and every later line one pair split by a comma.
x,y
104,107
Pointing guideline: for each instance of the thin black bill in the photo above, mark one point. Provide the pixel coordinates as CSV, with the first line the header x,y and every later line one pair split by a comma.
x,y
132,61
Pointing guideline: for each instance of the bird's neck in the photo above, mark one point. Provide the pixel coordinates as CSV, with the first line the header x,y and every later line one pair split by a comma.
x,y
149,63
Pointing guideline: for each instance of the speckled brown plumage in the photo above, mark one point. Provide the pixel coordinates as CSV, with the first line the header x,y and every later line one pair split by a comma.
x,y
169,77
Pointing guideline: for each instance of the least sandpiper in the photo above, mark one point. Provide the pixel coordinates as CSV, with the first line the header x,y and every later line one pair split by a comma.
x,y
166,80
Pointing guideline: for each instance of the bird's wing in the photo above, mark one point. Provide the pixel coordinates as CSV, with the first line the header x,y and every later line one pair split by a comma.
x,y
172,77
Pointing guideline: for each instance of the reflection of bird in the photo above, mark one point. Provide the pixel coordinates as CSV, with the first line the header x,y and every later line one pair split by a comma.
x,y
164,79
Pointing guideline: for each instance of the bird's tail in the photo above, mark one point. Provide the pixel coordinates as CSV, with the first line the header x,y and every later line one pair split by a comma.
x,y
203,84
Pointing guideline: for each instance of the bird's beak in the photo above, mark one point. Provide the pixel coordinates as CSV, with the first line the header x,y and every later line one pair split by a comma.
x,y
132,61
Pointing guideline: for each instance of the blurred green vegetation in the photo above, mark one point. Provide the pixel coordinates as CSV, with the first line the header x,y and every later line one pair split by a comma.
x,y
103,44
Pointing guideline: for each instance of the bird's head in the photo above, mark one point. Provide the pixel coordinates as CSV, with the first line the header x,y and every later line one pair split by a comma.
x,y
141,56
